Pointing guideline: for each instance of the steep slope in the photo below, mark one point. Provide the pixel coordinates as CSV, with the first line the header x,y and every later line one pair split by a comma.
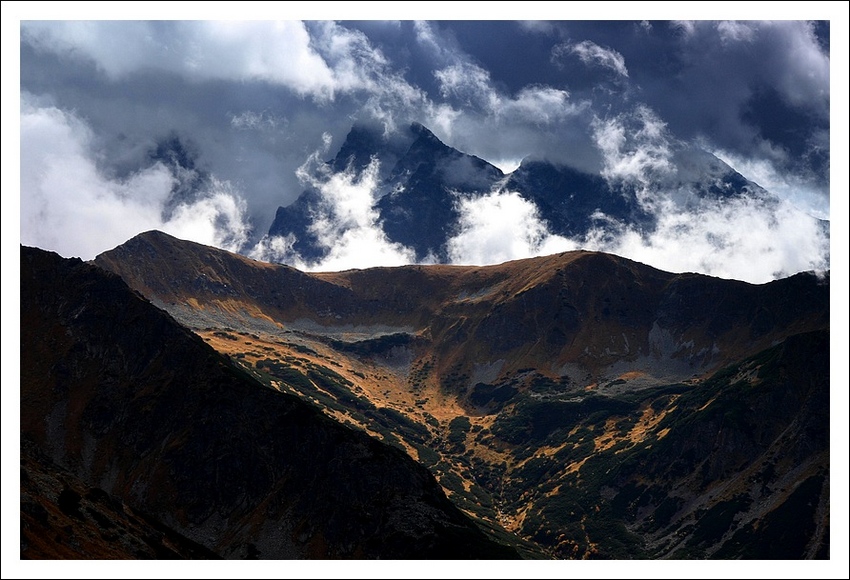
x,y
124,400
568,199
550,396
420,210
64,518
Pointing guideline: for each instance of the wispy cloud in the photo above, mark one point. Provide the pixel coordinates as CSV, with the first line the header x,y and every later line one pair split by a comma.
x,y
479,118
636,150
468,85
796,189
469,88
732,31
262,121
742,238
748,237
739,238
592,54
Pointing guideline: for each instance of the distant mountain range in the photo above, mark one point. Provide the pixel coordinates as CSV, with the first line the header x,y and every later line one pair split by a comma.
x,y
421,181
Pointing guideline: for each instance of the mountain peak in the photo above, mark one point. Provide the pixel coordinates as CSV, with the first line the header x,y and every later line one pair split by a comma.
x,y
423,132
421,181
362,143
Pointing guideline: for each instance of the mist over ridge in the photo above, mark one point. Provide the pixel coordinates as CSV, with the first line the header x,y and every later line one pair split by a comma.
x,y
205,129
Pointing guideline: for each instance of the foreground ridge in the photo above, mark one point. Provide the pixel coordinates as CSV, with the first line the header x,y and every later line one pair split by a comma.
x,y
121,406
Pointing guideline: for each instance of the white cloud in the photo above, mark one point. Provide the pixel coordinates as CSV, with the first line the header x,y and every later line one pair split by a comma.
x,y
741,238
468,85
330,60
115,47
591,53
278,52
66,205
789,187
262,121
395,102
479,119
216,219
501,226
732,32
354,62
798,65
469,91
540,105
538,27
69,206
635,148
430,42
747,237
782,54
345,224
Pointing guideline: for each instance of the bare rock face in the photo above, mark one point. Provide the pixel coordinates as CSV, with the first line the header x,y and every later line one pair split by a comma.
x,y
118,397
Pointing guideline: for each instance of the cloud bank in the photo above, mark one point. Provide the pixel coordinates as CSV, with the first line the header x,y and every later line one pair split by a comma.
x,y
592,54
69,205
257,99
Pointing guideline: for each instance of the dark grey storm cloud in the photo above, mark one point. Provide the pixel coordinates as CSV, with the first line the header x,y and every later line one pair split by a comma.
x,y
759,91
200,128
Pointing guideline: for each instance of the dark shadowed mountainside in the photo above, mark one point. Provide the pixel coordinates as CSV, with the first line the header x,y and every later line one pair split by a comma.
x,y
136,431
